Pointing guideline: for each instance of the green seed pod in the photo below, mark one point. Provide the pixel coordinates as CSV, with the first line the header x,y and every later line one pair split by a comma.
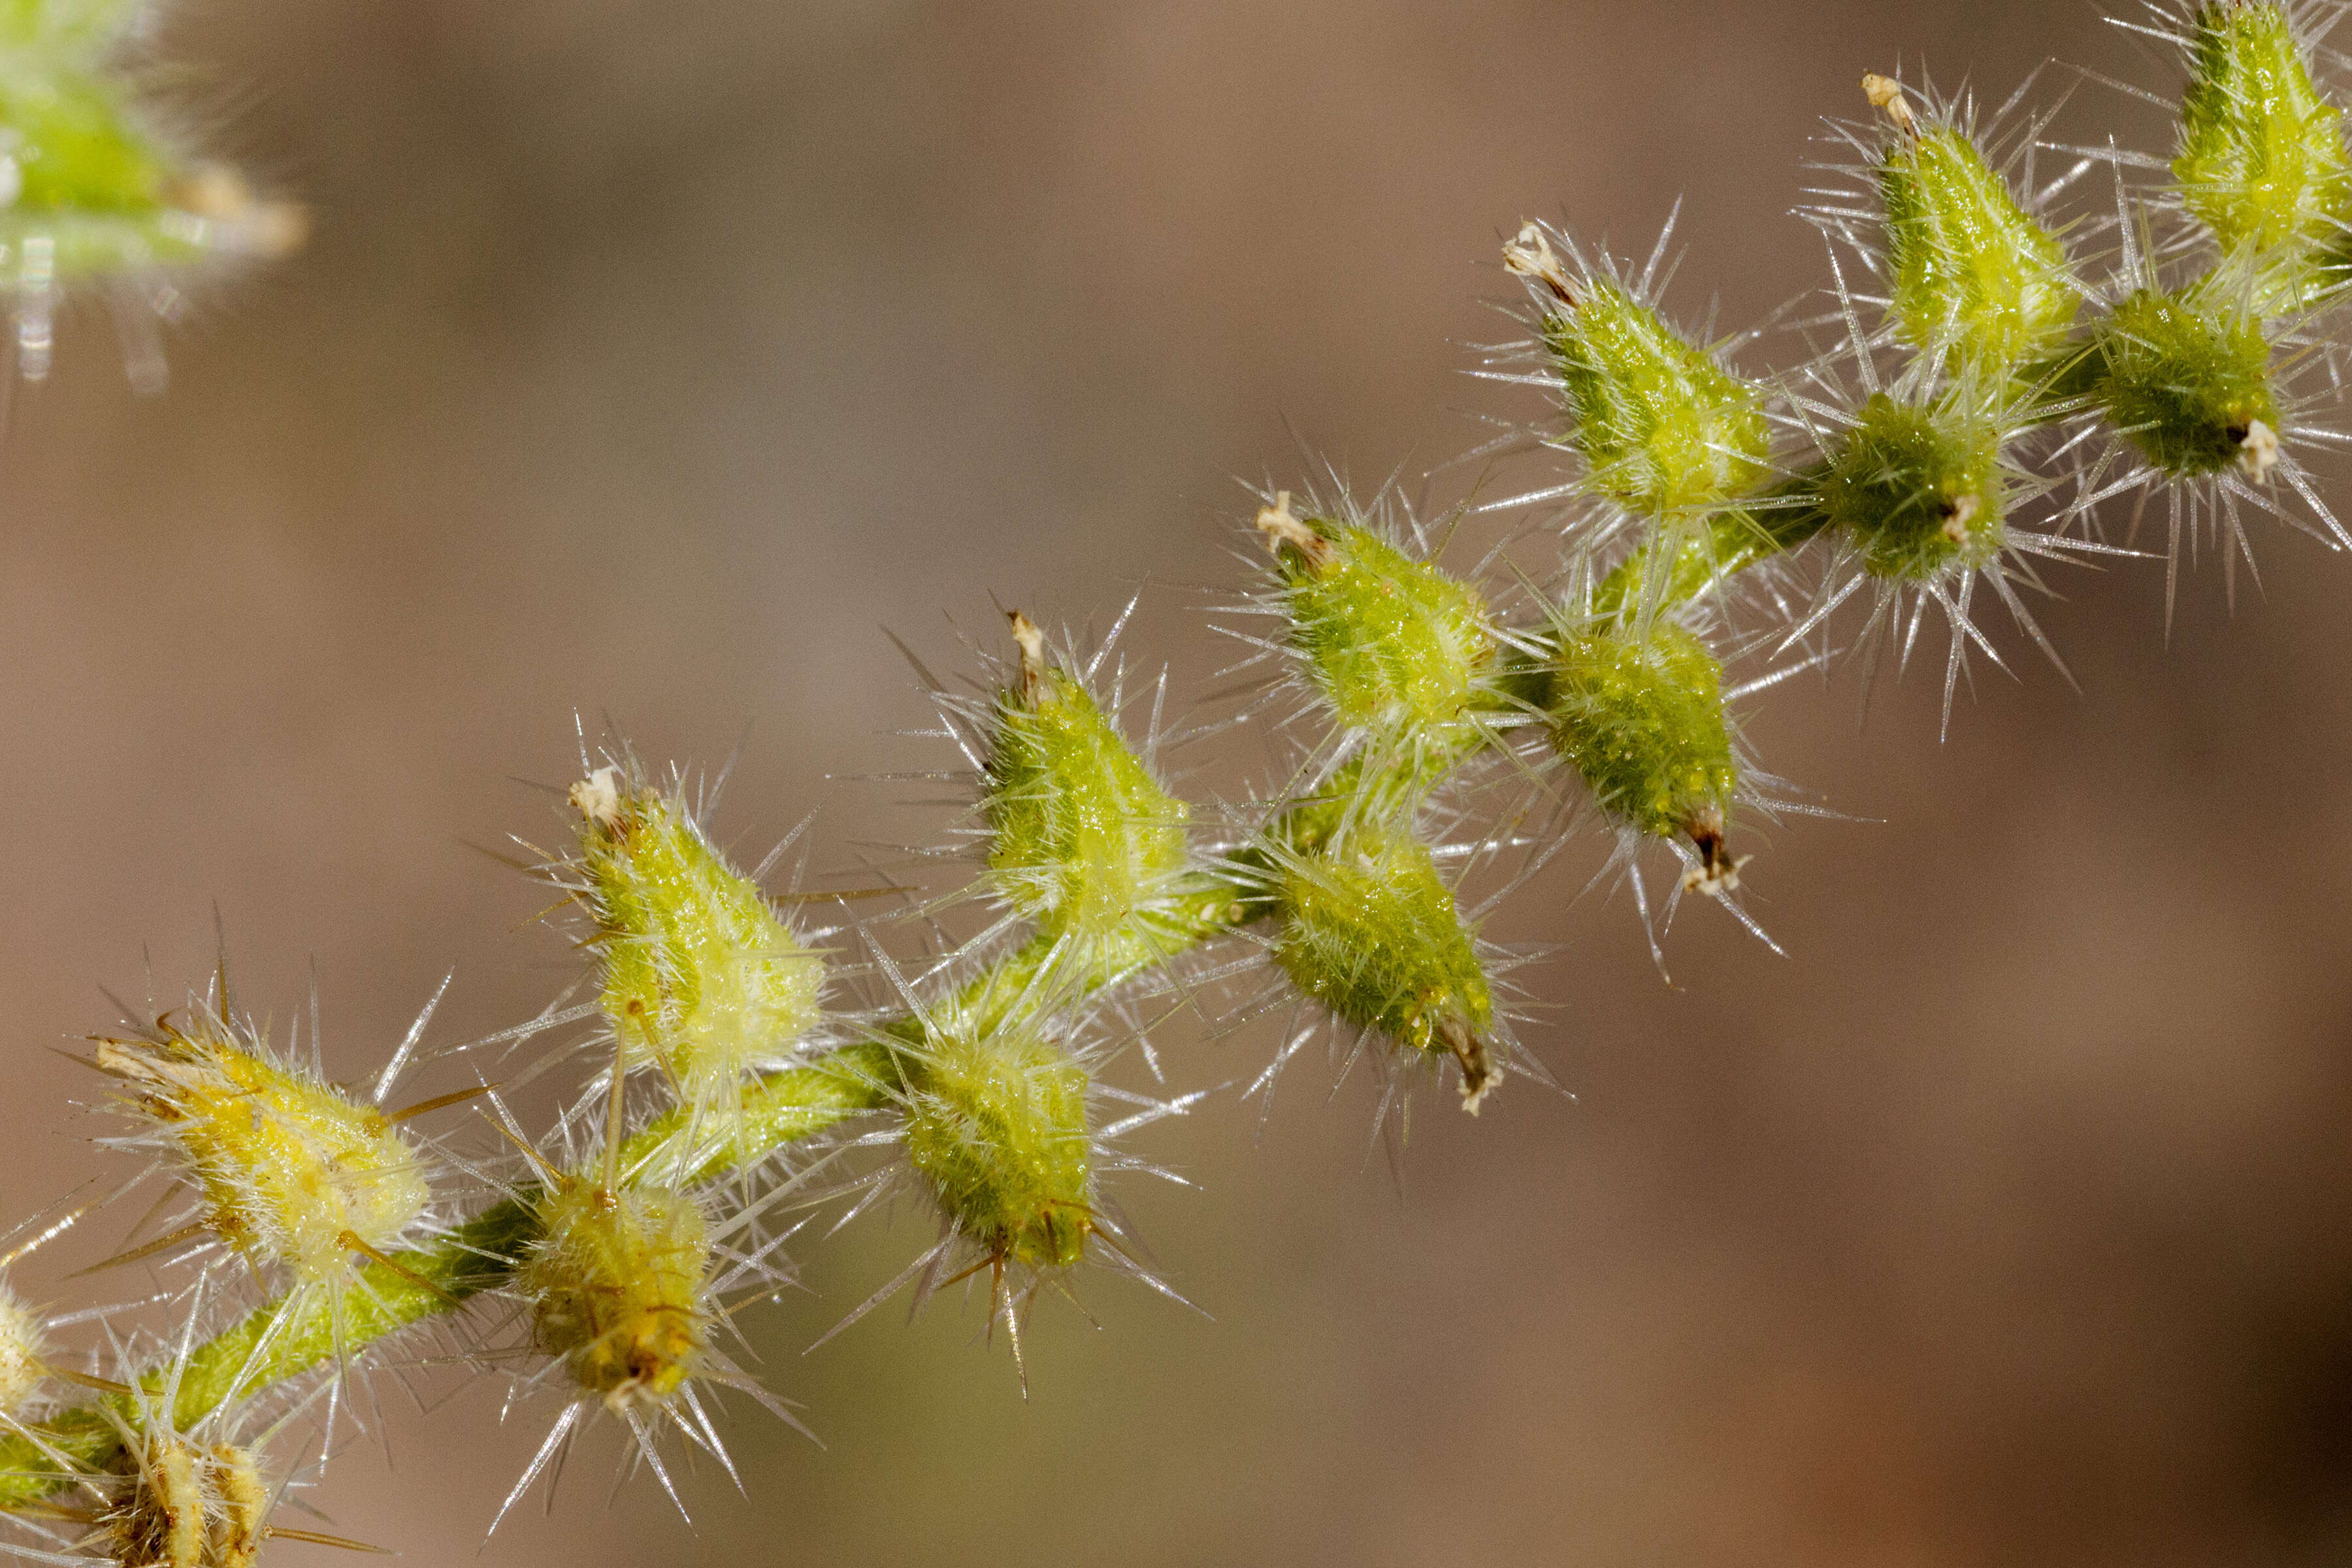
x,y
1663,427
1396,647
2186,381
1916,489
1640,715
615,1283
2261,159
1969,272
291,1169
1366,926
995,1126
1084,839
701,978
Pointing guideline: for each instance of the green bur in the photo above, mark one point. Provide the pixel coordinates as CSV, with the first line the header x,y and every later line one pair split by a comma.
x,y
1084,839
996,1127
615,1287
1916,489
701,978
1400,648
2261,159
1664,430
1969,272
1640,715
1368,928
2186,381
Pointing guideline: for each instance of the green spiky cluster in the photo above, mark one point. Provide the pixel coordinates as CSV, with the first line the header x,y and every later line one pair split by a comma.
x,y
995,1125
2261,159
1396,647
1665,429
98,189
1638,714
1083,839
2185,376
702,979
616,1286
1968,268
1916,489
1366,926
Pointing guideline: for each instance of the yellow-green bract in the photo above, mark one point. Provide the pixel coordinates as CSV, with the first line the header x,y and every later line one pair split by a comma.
x,y
1969,272
1398,648
701,978
1916,488
1083,839
616,1284
1664,430
2186,378
2261,160
1639,714
1366,926
995,1125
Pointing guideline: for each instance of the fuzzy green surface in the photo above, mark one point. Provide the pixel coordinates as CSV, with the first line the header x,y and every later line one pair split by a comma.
x,y
1969,271
2261,159
2183,380
1397,646
700,975
1665,428
1916,488
996,1127
615,1283
1368,928
1084,839
1640,716
76,147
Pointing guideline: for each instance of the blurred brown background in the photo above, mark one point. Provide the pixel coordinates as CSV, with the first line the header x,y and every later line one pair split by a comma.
x,y
649,359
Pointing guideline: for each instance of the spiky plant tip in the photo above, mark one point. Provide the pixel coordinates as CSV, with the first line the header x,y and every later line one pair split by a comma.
x,y
705,982
622,1286
1664,427
1001,1123
1365,929
1395,654
279,1165
1083,841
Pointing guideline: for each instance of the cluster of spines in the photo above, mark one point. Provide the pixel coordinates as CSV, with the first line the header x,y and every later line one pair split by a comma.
x,y
1991,344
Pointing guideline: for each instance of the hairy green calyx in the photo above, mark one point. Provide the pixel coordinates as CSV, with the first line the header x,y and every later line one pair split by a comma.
x,y
1665,428
2187,380
1916,488
1083,840
2261,158
701,978
1969,272
996,1128
1366,926
616,1286
1640,715
1398,648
